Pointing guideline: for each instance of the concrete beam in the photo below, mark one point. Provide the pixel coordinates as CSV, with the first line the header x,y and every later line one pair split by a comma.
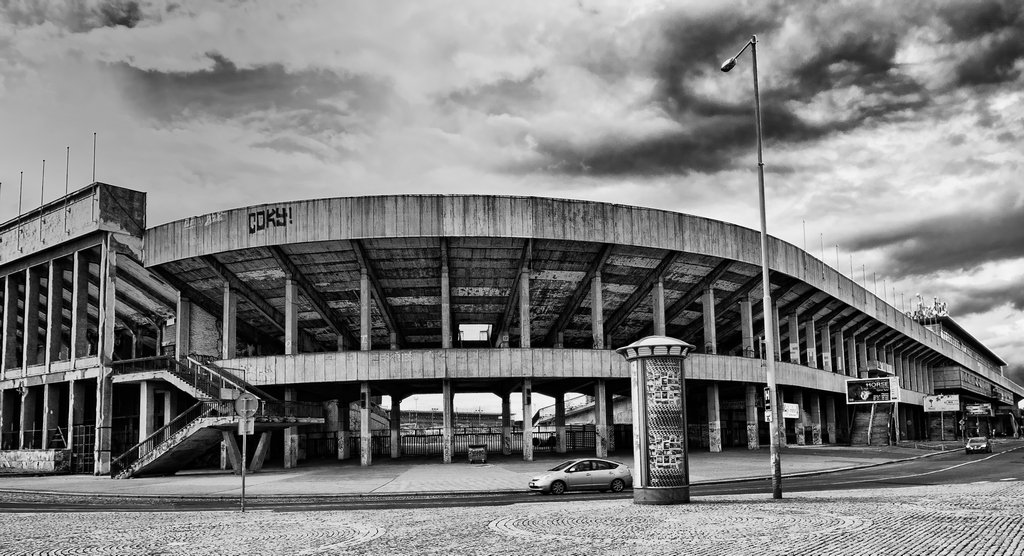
x,y
641,291
511,307
377,291
582,289
312,294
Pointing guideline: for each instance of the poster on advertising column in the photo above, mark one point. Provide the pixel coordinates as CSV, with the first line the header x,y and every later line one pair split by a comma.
x,y
872,390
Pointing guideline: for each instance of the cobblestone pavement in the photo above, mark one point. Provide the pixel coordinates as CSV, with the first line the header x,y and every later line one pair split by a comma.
x,y
980,518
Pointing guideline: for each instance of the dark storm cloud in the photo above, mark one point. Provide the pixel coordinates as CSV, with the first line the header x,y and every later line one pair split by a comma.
x,y
982,299
76,16
1015,373
851,47
949,242
313,102
992,37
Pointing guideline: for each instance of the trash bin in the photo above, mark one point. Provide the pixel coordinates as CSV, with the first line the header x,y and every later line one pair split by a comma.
x,y
478,452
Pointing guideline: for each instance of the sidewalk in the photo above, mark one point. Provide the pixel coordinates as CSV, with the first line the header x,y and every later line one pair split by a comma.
x,y
428,475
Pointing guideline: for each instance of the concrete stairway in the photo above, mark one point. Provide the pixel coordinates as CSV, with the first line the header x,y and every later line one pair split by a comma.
x,y
871,425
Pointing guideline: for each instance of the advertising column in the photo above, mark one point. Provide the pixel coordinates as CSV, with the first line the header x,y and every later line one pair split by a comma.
x,y
658,385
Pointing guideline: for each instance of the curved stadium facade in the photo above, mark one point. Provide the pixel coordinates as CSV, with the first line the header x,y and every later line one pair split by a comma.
x,y
123,345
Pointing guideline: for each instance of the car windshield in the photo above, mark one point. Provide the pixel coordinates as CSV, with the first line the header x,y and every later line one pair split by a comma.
x,y
562,465
975,441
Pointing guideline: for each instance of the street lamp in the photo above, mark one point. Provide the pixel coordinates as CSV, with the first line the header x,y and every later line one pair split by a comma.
x,y
769,327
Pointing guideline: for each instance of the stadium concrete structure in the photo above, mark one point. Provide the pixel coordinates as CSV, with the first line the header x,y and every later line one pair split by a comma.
x,y
123,345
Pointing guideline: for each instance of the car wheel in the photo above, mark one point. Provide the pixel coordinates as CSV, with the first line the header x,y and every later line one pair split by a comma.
x,y
618,485
558,487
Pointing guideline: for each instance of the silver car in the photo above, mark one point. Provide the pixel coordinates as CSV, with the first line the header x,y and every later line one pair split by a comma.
x,y
584,474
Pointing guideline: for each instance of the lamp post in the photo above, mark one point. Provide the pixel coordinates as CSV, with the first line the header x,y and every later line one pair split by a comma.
x,y
769,327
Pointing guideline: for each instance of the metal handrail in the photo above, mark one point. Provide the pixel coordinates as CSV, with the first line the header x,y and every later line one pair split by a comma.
x,y
201,382
198,411
227,379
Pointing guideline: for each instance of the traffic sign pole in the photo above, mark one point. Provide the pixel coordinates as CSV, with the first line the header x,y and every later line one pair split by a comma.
x,y
244,451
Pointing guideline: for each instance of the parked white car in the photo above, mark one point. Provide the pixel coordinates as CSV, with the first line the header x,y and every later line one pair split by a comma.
x,y
584,474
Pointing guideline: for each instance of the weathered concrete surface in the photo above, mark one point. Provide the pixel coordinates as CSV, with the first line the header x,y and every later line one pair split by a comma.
x,y
35,461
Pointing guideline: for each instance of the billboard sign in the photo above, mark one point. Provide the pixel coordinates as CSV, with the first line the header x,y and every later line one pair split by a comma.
x,y
978,409
872,390
942,402
790,411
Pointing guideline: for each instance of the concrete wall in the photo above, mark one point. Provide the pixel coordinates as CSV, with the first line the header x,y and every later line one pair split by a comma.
x,y
35,461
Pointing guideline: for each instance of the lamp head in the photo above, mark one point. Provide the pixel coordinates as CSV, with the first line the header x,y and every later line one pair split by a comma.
x,y
729,64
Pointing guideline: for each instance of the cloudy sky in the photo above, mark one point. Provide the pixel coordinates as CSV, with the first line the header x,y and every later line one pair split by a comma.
x,y
892,129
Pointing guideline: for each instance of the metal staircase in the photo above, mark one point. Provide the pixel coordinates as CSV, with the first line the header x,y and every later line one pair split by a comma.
x,y
871,425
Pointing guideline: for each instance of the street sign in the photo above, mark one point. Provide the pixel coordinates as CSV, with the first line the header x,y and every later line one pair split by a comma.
x,y
790,411
246,405
767,398
246,426
767,416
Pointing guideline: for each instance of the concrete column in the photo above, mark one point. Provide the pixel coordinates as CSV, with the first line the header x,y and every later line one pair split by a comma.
x,y
597,312
826,349
780,399
291,435
365,338
798,425
105,351
777,323
810,338
396,427
862,357
815,408
601,418
229,322
830,419
393,338
54,311
30,332
51,405
27,419
837,342
365,434
527,419
147,409
76,409
524,308
506,424
707,301
852,369
658,307
344,434
747,327
291,317
560,422
897,366
794,338
183,325
714,419
10,358
753,441
446,301
79,306
448,417
610,421
560,340
8,418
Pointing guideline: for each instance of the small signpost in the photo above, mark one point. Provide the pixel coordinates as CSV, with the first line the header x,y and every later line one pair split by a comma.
x,y
246,406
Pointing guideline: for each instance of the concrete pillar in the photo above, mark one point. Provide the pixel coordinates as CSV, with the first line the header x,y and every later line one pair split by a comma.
x,y
229,321
396,427
794,338
601,418
54,311
826,349
365,338
183,325
897,366
560,422
707,301
597,312
852,369
815,403
560,340
506,424
799,424
393,339
830,419
780,400
777,323
838,344
10,358
30,331
524,308
105,351
51,420
344,434
79,306
291,317
291,435
147,409
658,306
446,300
873,353
76,409
610,421
230,455
8,419
27,419
365,434
448,417
714,419
862,358
747,327
811,340
527,419
753,440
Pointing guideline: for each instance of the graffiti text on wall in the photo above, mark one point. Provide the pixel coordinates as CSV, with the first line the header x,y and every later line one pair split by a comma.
x,y
269,218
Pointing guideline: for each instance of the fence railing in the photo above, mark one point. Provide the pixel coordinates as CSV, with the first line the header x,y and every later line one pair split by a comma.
x,y
200,410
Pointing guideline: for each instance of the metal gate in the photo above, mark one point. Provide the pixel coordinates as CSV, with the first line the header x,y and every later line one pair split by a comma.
x,y
83,440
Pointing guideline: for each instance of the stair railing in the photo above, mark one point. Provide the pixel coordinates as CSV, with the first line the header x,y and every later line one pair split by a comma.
x,y
201,382
223,377
198,411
